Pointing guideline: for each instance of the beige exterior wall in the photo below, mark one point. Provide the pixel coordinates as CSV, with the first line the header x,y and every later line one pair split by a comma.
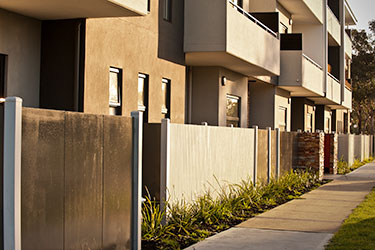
x,y
20,41
285,18
134,45
262,6
312,40
282,102
267,106
208,103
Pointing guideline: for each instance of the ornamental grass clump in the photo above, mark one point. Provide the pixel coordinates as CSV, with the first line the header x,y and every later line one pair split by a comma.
x,y
344,168
188,223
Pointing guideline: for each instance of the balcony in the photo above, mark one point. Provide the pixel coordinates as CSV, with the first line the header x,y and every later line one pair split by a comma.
x,y
347,103
333,89
300,75
219,33
334,29
348,45
69,9
304,11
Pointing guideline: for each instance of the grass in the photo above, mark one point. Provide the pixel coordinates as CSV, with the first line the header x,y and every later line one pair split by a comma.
x,y
358,231
188,223
344,168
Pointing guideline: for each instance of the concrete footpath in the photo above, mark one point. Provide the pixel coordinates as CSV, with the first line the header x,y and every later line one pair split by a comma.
x,y
306,223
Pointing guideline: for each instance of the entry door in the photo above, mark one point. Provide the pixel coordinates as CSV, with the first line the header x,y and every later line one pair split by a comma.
x,y
2,75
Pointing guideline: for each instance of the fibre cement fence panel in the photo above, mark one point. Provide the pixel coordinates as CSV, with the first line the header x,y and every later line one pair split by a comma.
x,y
205,158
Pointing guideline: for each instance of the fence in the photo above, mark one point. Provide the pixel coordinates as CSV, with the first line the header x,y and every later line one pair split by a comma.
x,y
182,162
353,147
75,178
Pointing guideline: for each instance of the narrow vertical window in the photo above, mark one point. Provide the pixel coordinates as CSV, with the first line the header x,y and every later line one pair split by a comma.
x,y
148,6
309,122
2,75
166,93
283,116
233,111
167,10
115,79
143,95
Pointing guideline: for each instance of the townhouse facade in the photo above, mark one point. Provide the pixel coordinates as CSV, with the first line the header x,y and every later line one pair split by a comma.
x,y
100,59
275,63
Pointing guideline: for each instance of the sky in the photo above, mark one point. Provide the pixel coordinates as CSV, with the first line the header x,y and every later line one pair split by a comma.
x,y
364,10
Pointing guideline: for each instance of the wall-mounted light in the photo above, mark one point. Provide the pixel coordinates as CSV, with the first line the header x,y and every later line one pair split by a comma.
x,y
289,100
291,21
223,80
314,108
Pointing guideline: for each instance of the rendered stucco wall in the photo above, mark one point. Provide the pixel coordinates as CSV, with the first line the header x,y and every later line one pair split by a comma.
x,y
133,44
20,41
262,105
312,40
209,95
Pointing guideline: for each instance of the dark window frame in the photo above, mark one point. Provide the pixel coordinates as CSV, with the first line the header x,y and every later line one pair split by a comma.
x,y
167,110
167,10
116,108
3,75
231,118
145,106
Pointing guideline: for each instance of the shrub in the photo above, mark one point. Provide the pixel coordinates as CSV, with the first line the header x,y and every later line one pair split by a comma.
x,y
188,223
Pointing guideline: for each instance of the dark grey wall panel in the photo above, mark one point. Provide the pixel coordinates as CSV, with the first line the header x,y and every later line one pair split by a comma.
x,y
42,179
151,159
117,182
83,176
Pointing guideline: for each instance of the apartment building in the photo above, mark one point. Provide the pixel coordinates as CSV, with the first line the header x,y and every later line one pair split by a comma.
x,y
100,57
273,63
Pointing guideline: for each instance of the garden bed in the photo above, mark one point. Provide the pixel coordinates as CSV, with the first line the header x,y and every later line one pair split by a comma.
x,y
188,224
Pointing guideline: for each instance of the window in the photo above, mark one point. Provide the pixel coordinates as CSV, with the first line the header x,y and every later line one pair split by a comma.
x,y
167,10
2,75
346,122
309,122
233,111
283,116
148,6
115,91
166,93
327,128
143,95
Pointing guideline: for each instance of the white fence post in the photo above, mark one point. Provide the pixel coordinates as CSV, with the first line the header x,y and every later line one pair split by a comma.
x,y
164,164
12,173
269,154
136,237
277,153
255,154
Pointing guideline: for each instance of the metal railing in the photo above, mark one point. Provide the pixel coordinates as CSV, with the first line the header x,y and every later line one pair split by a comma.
x,y
253,19
333,77
312,61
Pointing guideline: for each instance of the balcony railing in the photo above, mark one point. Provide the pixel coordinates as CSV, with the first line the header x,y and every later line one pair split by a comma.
x,y
333,77
253,19
312,61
